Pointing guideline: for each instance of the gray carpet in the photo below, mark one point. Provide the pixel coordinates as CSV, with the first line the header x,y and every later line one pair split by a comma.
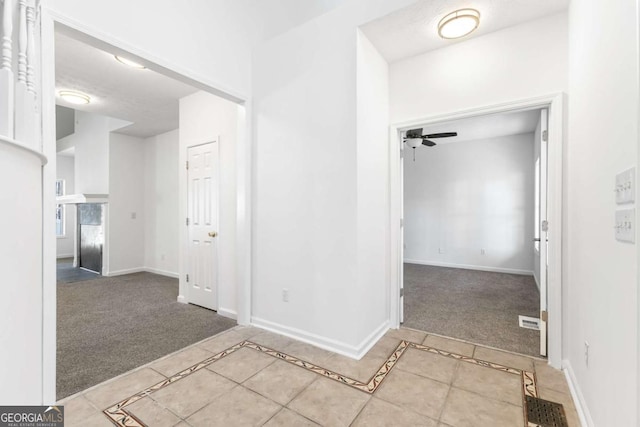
x,y
477,306
108,326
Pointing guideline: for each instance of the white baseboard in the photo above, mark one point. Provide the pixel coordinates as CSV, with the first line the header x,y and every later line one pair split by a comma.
x,y
161,272
354,352
182,299
471,267
231,314
125,271
142,270
59,256
578,397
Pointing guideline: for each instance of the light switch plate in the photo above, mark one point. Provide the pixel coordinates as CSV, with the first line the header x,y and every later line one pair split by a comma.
x,y
625,228
626,186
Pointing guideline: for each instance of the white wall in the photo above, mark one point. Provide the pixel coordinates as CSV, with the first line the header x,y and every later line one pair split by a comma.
x,y
372,92
124,233
518,62
464,197
205,118
305,205
602,302
66,170
161,209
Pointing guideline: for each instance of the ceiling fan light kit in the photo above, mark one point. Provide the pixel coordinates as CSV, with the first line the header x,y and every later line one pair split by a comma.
x,y
414,138
459,23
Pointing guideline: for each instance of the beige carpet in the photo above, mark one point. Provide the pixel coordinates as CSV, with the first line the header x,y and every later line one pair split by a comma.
x,y
477,306
108,326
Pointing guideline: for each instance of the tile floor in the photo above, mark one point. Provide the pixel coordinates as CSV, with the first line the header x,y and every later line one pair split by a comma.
x,y
247,376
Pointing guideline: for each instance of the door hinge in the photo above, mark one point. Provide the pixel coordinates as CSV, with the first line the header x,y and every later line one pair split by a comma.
x,y
544,226
401,292
187,221
544,316
401,222
545,135
187,165
187,277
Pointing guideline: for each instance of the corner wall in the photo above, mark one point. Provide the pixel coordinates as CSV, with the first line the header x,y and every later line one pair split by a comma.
x,y
126,215
310,184
161,224
602,305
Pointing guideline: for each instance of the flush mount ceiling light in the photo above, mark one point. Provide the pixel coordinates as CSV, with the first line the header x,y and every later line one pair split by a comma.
x,y
129,62
459,23
74,97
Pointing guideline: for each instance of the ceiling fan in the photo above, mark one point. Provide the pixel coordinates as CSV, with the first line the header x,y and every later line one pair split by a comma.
x,y
414,138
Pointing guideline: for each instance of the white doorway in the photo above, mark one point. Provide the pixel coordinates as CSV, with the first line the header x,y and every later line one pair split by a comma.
x,y
550,301
202,223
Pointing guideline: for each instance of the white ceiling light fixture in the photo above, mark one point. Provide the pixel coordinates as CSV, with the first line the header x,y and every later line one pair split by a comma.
x,y
74,97
129,63
459,23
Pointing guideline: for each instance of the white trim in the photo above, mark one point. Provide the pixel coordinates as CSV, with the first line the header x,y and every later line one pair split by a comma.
x,y
159,272
471,267
227,312
60,256
182,299
577,396
354,352
124,271
554,102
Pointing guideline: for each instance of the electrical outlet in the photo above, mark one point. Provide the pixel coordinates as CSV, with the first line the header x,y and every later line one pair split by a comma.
x,y
482,252
285,295
586,353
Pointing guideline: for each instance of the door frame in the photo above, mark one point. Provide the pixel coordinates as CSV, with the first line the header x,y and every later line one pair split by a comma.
x,y
184,235
48,20
555,103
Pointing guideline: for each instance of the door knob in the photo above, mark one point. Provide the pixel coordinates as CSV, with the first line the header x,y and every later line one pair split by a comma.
x,y
213,234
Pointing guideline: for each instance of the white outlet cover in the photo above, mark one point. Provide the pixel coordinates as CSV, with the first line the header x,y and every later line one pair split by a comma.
x,y
625,227
626,186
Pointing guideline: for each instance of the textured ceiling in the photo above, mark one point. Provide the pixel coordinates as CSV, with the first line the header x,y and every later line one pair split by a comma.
x,y
144,97
414,30
484,127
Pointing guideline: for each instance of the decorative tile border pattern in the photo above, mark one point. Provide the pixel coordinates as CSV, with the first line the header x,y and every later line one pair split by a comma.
x,y
119,416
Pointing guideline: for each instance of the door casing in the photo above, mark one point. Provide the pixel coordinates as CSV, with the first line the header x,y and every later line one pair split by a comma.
x,y
555,104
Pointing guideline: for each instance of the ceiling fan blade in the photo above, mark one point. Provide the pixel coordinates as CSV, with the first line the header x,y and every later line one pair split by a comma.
x,y
442,135
428,143
414,133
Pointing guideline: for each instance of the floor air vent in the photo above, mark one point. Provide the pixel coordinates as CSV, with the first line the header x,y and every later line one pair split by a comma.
x,y
529,322
544,413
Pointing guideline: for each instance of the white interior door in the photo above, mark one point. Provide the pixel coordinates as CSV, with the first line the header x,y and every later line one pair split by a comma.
x,y
543,226
202,222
